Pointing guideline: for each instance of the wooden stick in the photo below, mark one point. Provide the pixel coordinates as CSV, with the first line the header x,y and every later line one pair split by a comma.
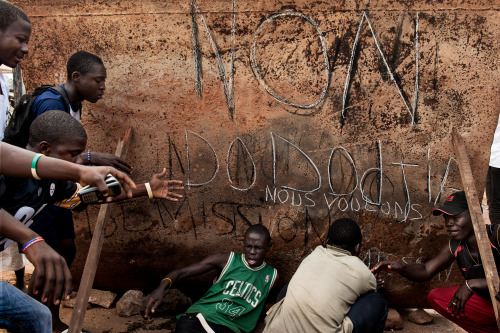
x,y
18,83
476,215
82,299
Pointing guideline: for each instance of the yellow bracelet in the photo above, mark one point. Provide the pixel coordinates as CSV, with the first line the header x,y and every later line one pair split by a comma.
x,y
150,192
170,285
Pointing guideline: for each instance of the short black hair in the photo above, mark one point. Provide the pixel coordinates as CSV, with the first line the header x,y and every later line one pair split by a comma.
x,y
82,62
344,233
10,14
261,230
55,127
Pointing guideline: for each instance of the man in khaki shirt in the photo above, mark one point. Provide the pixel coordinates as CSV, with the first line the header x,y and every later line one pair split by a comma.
x,y
332,290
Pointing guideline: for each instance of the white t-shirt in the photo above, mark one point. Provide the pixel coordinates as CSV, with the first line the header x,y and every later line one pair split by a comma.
x,y
4,105
495,147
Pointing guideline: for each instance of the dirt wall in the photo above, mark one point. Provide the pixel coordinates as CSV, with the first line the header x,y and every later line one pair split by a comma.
x,y
285,113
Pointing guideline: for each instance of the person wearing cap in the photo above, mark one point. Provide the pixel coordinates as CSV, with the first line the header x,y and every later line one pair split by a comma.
x,y
468,305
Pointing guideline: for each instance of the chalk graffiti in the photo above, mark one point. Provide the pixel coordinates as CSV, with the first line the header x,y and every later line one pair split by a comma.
x,y
343,152
285,189
261,80
254,170
411,110
228,84
273,135
188,182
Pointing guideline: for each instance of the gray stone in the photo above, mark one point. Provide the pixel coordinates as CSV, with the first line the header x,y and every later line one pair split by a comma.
x,y
130,303
420,316
394,321
102,298
97,297
70,303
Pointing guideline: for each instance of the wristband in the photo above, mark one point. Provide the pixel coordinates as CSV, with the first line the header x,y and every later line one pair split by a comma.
x,y
88,156
467,284
33,166
170,284
31,242
150,192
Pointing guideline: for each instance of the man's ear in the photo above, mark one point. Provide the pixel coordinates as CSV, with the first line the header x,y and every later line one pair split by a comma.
x,y
75,76
44,148
357,249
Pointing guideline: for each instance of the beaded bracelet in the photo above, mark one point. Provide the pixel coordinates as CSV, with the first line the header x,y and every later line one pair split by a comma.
x,y
88,156
31,242
33,166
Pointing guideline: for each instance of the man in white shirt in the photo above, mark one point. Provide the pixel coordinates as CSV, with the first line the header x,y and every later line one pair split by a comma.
x,y
493,180
15,32
4,104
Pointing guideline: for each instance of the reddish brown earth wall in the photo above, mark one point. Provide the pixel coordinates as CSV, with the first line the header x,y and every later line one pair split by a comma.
x,y
310,122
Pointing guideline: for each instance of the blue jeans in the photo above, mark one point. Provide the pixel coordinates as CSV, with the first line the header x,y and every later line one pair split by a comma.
x,y
368,313
21,313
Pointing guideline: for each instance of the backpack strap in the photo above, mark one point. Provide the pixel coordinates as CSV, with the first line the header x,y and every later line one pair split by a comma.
x,y
65,96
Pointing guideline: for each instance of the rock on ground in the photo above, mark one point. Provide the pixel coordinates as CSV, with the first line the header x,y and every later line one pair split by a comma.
x,y
394,320
130,303
420,316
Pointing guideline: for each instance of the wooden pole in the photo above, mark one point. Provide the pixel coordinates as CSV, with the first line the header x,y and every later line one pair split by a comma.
x,y
82,299
483,241
17,83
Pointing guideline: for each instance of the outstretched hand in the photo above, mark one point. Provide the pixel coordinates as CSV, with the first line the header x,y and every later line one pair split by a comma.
x,y
163,188
96,175
387,266
51,275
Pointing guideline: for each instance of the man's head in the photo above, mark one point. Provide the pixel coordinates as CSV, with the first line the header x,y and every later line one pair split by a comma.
x,y
15,32
256,244
87,74
346,234
456,216
57,134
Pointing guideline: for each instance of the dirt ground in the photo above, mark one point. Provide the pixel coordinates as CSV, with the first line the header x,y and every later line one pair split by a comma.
x,y
101,320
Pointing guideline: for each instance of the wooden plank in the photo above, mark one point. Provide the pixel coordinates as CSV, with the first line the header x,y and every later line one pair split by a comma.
x,y
476,214
17,83
89,271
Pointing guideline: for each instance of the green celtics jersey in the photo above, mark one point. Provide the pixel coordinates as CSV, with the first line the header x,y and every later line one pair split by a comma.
x,y
237,297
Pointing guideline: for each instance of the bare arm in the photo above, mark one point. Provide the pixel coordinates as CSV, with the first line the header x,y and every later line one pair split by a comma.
x,y
105,159
160,188
215,261
418,272
52,276
19,165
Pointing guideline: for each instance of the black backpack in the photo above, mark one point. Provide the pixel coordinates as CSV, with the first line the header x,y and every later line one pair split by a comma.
x,y
17,130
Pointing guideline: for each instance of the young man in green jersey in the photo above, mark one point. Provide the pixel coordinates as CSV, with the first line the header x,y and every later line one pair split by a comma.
x,y
235,301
